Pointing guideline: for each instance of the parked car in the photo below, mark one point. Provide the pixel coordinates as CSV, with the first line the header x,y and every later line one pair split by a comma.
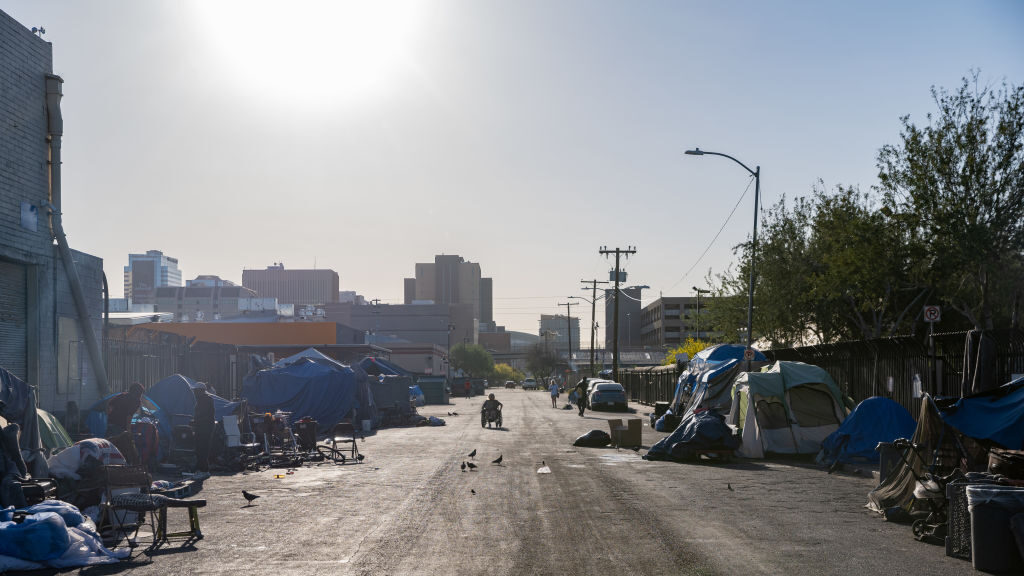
x,y
608,394
529,384
510,383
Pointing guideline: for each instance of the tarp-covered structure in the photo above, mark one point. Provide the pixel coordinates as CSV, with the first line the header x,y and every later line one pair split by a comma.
x,y
789,408
96,415
701,430
707,360
19,407
374,366
996,415
176,403
874,420
312,384
52,434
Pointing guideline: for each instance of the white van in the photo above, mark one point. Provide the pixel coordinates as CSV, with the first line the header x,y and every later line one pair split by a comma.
x,y
529,384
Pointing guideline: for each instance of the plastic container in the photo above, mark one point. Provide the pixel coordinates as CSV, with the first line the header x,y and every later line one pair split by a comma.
x,y
367,425
888,460
993,548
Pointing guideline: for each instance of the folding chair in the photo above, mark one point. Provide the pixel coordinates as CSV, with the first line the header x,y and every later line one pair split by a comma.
x,y
125,504
344,433
245,442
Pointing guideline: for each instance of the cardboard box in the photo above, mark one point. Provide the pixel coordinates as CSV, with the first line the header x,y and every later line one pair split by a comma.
x,y
628,433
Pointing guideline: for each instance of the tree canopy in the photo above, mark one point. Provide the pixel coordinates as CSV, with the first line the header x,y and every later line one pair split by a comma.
x,y
471,359
541,361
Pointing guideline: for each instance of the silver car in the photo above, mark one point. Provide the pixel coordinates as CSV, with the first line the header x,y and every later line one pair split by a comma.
x,y
607,394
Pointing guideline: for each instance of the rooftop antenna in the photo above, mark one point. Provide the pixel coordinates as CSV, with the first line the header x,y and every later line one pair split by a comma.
x,y
39,31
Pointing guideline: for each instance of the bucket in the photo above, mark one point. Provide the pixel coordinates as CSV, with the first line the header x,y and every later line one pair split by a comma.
x,y
367,425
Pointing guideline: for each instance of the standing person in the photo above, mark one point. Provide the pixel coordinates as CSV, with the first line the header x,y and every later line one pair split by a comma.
x,y
553,389
581,395
469,389
121,408
203,427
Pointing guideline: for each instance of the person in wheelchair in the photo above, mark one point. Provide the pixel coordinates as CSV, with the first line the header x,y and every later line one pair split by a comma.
x,y
490,411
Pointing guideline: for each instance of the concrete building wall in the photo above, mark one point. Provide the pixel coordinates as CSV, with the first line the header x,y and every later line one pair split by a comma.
x,y
298,287
419,323
554,329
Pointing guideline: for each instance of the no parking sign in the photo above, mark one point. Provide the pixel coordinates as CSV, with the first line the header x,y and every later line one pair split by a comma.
x,y
932,314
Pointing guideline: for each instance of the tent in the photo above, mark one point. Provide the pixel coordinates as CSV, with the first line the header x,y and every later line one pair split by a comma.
x,y
996,415
789,408
19,407
378,366
704,361
312,384
96,415
176,404
52,433
713,388
874,420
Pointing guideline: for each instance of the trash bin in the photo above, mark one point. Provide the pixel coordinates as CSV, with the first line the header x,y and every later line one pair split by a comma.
x,y
888,459
993,548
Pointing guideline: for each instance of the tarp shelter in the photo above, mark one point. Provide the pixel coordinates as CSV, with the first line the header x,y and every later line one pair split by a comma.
x,y
378,366
52,433
704,361
874,420
19,407
996,415
789,408
312,384
176,403
96,415
713,388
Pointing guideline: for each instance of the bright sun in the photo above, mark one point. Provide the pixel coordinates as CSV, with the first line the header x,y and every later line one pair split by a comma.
x,y
296,53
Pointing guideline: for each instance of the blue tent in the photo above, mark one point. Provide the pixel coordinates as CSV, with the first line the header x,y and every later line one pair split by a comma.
x,y
703,361
874,420
176,403
311,384
996,415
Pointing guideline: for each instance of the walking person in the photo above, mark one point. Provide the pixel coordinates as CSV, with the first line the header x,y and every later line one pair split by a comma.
x,y
469,389
581,395
553,388
203,422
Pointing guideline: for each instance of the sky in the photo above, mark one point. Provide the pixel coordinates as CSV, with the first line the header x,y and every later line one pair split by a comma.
x,y
524,135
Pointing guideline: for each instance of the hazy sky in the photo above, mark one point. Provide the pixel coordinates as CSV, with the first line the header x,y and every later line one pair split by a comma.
x,y
524,135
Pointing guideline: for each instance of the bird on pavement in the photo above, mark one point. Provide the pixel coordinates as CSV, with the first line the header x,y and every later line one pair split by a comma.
x,y
249,497
729,486
471,466
473,453
360,457
463,466
497,460
635,448
472,491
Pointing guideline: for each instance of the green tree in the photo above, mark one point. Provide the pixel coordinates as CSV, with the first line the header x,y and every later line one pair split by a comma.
x,y
541,361
471,359
504,372
957,183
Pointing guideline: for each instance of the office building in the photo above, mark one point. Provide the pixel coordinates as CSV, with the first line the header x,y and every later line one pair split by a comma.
x,y
629,317
452,280
554,331
147,272
297,287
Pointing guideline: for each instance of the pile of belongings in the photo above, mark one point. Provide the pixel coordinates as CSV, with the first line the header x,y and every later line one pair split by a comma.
x,y
701,430
593,439
51,534
428,421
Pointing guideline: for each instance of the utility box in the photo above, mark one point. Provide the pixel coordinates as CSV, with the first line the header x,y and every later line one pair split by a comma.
x,y
626,433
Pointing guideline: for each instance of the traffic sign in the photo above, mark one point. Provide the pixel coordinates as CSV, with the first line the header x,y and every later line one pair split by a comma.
x,y
932,314
748,354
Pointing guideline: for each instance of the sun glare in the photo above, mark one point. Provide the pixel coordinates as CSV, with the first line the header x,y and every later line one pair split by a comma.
x,y
296,53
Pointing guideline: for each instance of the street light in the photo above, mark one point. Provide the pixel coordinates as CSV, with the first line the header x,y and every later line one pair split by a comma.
x,y
699,291
593,324
756,173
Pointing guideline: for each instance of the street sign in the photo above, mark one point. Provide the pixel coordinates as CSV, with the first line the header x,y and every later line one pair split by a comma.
x,y
932,314
748,354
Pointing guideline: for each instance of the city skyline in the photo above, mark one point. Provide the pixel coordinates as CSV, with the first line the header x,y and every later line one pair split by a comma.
x,y
327,149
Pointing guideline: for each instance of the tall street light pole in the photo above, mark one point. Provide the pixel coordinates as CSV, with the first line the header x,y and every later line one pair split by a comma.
x,y
699,292
756,173
593,318
568,321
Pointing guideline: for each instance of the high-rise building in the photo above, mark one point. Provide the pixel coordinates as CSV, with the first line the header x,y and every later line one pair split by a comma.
x,y
555,328
147,272
298,287
629,317
449,279
668,321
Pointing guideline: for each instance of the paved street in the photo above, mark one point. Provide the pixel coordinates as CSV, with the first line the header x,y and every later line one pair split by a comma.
x,y
408,509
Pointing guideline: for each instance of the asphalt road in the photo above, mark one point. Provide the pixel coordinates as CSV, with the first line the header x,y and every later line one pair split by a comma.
x,y
409,509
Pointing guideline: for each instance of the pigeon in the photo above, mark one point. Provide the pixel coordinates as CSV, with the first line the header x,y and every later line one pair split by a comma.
x,y
249,497
497,460
463,466
729,486
360,457
471,466
473,453
471,491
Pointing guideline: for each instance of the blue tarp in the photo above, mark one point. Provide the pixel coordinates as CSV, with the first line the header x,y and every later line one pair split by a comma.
x,y
377,366
311,384
707,359
176,403
704,430
874,420
996,415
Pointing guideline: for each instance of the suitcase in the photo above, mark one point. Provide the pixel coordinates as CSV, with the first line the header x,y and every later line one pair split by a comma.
x,y
37,490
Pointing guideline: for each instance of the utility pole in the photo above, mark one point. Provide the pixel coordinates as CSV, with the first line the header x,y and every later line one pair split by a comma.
x,y
618,276
568,321
593,319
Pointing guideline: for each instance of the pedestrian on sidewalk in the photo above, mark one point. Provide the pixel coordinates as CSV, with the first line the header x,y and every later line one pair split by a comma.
x,y
469,388
553,388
